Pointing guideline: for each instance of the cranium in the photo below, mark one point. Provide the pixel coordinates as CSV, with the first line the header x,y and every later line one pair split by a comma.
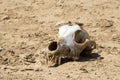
x,y
72,40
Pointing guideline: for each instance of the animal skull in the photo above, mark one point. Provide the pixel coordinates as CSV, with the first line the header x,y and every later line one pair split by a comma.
x,y
72,40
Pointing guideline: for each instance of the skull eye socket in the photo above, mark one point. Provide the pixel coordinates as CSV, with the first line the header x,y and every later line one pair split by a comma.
x,y
52,46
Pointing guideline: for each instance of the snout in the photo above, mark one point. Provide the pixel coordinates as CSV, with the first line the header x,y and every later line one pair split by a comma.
x,y
51,60
51,56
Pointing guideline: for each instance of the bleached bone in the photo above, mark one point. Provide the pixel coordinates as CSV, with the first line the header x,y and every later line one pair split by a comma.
x,y
72,40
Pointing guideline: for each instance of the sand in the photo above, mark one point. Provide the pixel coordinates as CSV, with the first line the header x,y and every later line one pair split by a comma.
x,y
28,26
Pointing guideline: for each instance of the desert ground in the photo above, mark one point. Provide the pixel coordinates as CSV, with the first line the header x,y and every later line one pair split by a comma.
x,y
28,26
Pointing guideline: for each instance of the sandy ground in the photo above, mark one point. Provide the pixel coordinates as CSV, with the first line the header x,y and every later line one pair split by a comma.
x,y
28,26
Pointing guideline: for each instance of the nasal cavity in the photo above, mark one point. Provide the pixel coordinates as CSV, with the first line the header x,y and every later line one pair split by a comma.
x,y
52,46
